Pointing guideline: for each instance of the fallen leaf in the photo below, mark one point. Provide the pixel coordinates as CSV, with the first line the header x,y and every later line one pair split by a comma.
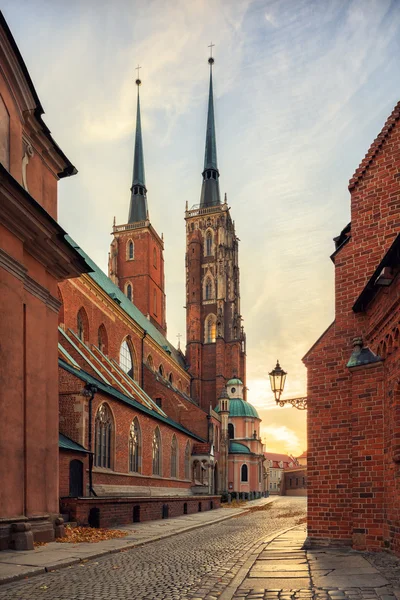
x,y
91,535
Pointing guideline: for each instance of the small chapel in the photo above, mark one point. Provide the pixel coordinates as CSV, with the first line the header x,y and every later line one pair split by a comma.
x,y
109,423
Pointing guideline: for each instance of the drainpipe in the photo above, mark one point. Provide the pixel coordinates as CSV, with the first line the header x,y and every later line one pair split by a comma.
x,y
89,391
142,378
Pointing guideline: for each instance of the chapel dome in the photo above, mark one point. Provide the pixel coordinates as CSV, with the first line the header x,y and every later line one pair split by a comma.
x,y
234,381
241,408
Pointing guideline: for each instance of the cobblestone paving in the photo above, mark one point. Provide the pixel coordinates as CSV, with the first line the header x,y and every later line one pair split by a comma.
x,y
195,565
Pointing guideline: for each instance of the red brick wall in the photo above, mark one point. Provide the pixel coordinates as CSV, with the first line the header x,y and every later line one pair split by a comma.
x,y
65,458
145,274
353,479
119,511
74,423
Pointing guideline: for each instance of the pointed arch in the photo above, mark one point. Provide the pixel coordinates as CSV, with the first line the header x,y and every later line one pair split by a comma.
x,y
102,339
210,332
82,325
150,362
129,290
103,437
187,460
156,452
130,250
126,358
135,447
208,248
171,378
161,370
208,288
174,457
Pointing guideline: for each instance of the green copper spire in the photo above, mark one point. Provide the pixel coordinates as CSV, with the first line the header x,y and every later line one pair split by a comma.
x,y
210,189
138,206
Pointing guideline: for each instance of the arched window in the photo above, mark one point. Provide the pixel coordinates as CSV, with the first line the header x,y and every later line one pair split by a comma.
x,y
187,460
180,385
82,325
129,291
125,358
171,378
156,452
103,437
210,329
150,362
155,258
209,243
208,289
102,339
231,431
134,447
131,250
174,457
161,370
244,476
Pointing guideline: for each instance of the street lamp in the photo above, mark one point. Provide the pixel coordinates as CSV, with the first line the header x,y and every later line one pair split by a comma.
x,y
277,378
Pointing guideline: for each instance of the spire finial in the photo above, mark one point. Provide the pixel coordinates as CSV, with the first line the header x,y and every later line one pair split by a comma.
x,y
211,60
138,81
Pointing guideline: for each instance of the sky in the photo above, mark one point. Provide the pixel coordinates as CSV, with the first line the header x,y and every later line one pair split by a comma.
x,y
301,89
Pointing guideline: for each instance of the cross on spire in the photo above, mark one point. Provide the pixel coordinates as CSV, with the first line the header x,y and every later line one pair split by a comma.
x,y
138,81
179,335
211,46
137,69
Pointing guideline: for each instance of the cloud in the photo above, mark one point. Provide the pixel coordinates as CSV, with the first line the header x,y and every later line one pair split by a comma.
x,y
279,438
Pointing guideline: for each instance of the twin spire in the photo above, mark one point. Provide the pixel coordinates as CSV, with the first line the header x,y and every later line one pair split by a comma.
x,y
138,210
210,195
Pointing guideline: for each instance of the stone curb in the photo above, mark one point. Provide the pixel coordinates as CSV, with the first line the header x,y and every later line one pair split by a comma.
x,y
98,554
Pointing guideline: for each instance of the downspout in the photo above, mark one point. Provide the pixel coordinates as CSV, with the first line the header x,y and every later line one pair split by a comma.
x,y
90,391
142,378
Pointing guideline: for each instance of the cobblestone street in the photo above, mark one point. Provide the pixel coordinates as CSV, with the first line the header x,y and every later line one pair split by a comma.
x,y
197,564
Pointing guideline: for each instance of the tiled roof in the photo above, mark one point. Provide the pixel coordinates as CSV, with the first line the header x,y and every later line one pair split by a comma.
x,y
118,296
65,443
111,391
237,448
375,147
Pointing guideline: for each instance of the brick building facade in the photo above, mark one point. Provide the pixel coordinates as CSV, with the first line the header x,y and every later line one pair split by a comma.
x,y
353,369
34,256
134,422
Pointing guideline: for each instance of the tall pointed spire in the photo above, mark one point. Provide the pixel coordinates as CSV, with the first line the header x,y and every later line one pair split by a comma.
x,y
138,210
210,195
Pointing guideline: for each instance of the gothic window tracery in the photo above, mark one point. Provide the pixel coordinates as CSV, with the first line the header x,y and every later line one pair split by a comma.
x,y
208,289
156,452
103,437
210,329
174,457
187,460
134,446
209,243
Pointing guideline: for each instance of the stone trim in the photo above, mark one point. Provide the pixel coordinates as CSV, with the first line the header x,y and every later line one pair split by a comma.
x,y
18,270
12,265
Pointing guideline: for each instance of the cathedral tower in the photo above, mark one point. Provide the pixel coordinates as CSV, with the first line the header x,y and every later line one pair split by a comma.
x,y
136,261
215,337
